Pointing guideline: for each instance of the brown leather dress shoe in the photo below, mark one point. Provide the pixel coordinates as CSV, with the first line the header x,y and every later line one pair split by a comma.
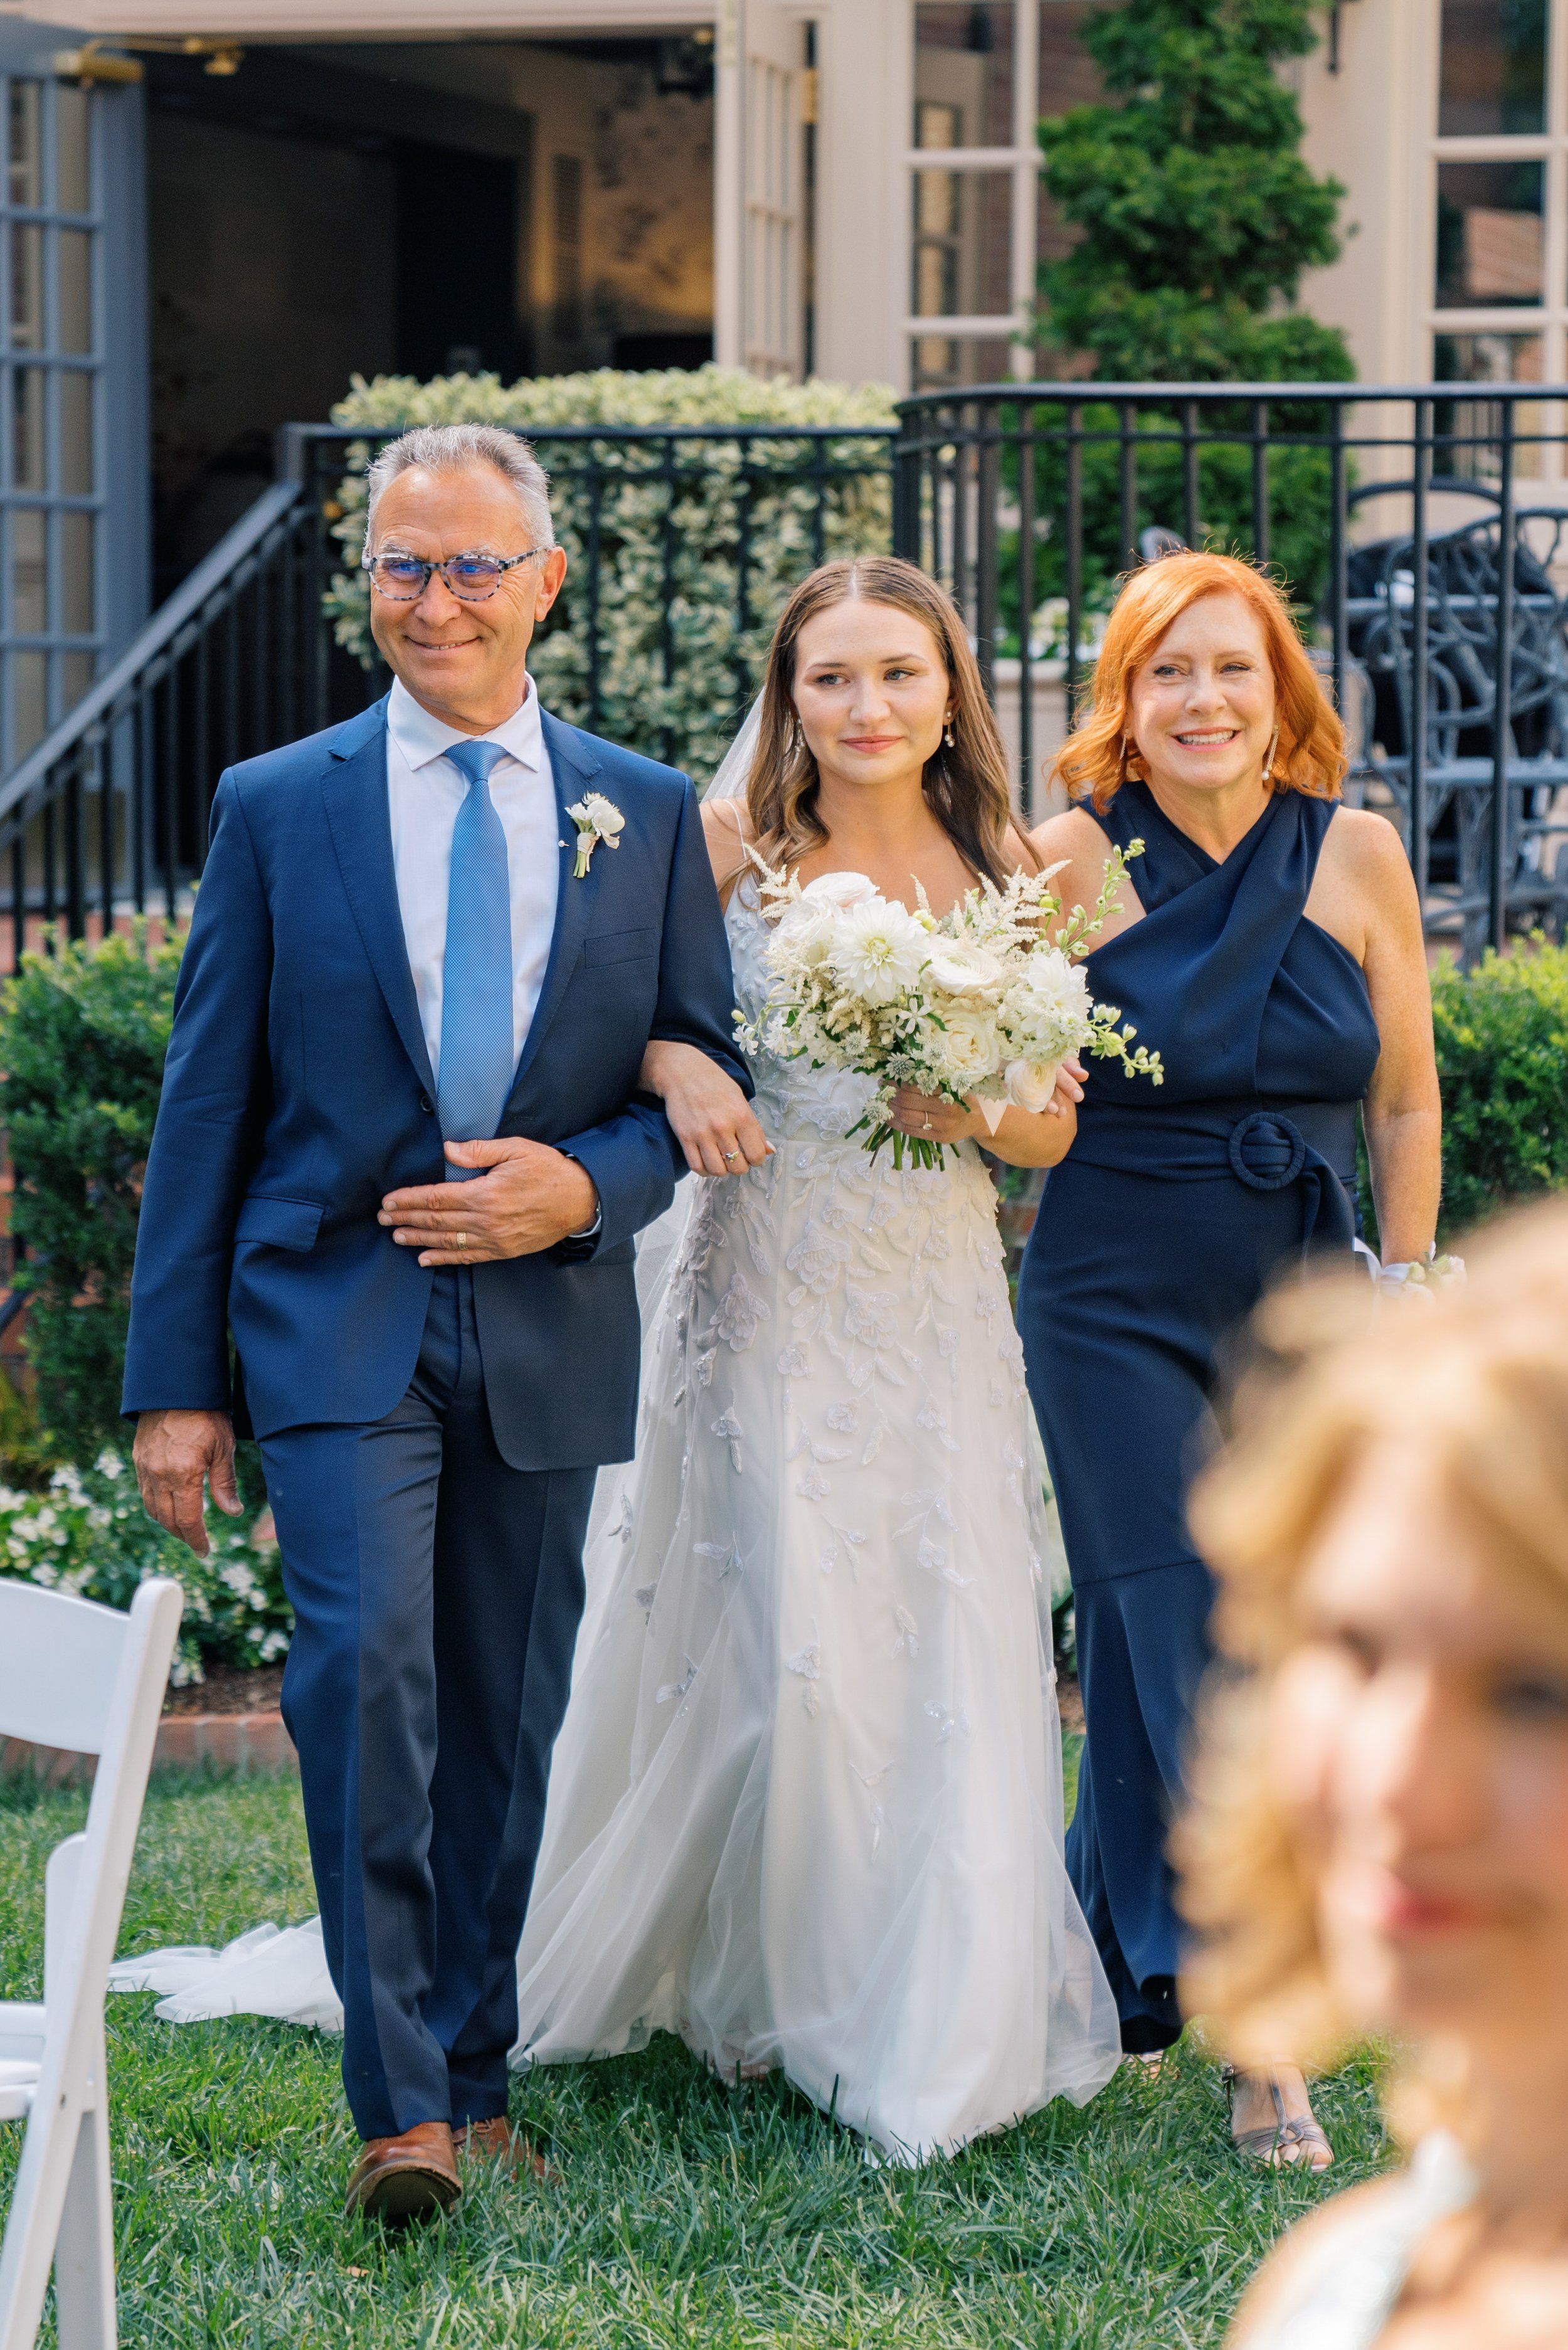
x,y
406,2177
497,2141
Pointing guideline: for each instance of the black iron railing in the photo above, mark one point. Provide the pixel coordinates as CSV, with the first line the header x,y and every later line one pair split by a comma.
x,y
1422,529
107,816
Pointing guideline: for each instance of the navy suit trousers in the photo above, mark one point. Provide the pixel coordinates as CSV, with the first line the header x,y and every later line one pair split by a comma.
x,y
437,1594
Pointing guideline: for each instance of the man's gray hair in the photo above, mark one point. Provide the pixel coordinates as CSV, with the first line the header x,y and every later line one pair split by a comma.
x,y
452,449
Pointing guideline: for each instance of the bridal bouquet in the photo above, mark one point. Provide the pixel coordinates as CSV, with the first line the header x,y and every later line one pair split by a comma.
x,y
978,1005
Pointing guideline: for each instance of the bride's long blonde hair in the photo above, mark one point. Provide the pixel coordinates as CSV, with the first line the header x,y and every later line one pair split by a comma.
x,y
965,784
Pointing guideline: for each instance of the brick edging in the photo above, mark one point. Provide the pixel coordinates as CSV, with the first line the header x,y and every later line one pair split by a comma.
x,y
240,1742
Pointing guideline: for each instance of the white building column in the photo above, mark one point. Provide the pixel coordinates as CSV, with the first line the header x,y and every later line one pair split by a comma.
x,y
864,51
729,185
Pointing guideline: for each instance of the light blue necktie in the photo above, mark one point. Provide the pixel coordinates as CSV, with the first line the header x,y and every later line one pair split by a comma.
x,y
476,1058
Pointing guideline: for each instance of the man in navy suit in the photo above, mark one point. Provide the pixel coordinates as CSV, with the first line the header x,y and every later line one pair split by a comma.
x,y
400,1154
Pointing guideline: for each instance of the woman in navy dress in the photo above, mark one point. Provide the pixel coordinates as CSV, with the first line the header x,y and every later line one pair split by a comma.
x,y
1268,944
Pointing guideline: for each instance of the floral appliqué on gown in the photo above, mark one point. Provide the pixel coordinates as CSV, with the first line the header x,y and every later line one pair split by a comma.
x,y
805,1809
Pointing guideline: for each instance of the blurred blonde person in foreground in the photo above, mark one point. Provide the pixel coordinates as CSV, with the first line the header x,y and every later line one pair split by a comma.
x,y
1379,1844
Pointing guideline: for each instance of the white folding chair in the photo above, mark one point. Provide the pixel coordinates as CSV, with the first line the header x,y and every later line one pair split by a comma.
x,y
92,1681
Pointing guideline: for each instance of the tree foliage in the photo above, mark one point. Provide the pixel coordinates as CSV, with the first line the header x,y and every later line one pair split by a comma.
x,y
1196,212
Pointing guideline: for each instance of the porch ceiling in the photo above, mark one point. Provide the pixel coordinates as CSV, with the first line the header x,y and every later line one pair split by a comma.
x,y
403,20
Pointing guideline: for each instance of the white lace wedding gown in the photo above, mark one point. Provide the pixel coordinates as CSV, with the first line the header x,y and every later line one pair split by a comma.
x,y
805,1809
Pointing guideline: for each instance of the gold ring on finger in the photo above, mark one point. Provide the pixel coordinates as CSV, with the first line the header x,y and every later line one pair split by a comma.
x,y
463,1240
730,1154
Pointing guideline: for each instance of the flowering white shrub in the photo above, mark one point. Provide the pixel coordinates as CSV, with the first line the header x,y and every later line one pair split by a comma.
x,y
89,1534
982,1005
677,669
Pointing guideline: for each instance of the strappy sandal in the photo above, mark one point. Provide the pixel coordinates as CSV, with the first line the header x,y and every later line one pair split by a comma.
x,y
1278,2144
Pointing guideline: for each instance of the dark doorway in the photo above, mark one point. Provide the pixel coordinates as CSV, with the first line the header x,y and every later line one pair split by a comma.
x,y
307,223
457,294
663,351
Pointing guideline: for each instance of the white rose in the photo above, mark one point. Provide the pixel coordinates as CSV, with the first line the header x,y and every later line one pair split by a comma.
x,y
1052,986
961,967
841,889
967,1048
1030,1084
878,948
1046,1011
803,934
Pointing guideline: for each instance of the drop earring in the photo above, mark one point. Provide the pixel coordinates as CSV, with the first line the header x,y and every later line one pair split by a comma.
x,y
948,730
1269,761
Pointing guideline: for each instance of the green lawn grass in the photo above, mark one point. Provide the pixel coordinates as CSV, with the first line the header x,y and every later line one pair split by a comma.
x,y
688,2213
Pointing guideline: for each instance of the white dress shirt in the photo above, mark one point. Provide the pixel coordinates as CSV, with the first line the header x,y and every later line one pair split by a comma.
x,y
425,791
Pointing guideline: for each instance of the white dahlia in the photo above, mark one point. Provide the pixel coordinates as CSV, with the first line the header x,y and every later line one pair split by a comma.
x,y
879,951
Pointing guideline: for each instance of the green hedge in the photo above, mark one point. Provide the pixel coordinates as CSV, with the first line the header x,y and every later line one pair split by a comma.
x,y
1502,1034
82,1036
657,587
83,1033
1503,1053
88,1532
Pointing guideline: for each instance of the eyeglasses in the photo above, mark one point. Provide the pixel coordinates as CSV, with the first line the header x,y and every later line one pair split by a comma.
x,y
403,578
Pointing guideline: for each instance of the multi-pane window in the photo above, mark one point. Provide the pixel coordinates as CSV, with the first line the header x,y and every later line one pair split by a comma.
x,y
778,102
980,220
973,164
1498,297
51,424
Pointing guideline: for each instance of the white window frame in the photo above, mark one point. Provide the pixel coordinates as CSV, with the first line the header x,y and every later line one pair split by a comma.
x,y
1549,320
1022,161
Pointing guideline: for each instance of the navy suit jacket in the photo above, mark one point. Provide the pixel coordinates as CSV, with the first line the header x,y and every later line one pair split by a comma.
x,y
298,1090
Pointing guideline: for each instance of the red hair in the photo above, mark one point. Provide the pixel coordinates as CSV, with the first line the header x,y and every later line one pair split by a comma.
x,y
1310,755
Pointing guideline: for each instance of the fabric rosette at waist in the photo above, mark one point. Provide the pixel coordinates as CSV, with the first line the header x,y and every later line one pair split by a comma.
x,y
1264,1149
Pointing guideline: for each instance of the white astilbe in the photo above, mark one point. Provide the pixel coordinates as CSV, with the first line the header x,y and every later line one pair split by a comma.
x,y
980,1006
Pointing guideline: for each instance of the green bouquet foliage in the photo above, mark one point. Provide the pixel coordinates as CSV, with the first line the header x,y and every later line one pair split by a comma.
x,y
677,668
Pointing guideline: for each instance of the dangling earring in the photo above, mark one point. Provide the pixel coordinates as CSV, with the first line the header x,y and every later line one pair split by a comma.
x,y
1127,757
1269,761
948,730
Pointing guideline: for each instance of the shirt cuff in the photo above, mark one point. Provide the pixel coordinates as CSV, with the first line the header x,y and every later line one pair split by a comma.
x,y
589,1232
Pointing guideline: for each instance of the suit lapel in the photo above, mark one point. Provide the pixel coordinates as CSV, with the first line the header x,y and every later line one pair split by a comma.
x,y
573,768
358,816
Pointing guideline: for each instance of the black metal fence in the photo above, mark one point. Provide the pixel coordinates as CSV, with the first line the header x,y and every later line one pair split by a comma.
x,y
682,539
1421,529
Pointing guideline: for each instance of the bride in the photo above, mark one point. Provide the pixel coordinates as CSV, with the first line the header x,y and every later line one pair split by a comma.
x,y
806,1808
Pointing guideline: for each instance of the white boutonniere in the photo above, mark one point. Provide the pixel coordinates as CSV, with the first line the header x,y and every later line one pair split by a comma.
x,y
597,819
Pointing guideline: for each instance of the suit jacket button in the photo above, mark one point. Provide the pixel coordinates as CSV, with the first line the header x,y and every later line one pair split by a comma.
x,y
427,1105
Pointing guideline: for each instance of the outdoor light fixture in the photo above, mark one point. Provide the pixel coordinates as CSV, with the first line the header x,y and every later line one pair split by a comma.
x,y
93,63
1334,37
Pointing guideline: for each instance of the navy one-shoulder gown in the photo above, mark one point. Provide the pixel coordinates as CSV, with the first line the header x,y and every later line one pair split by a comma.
x,y
1157,1236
